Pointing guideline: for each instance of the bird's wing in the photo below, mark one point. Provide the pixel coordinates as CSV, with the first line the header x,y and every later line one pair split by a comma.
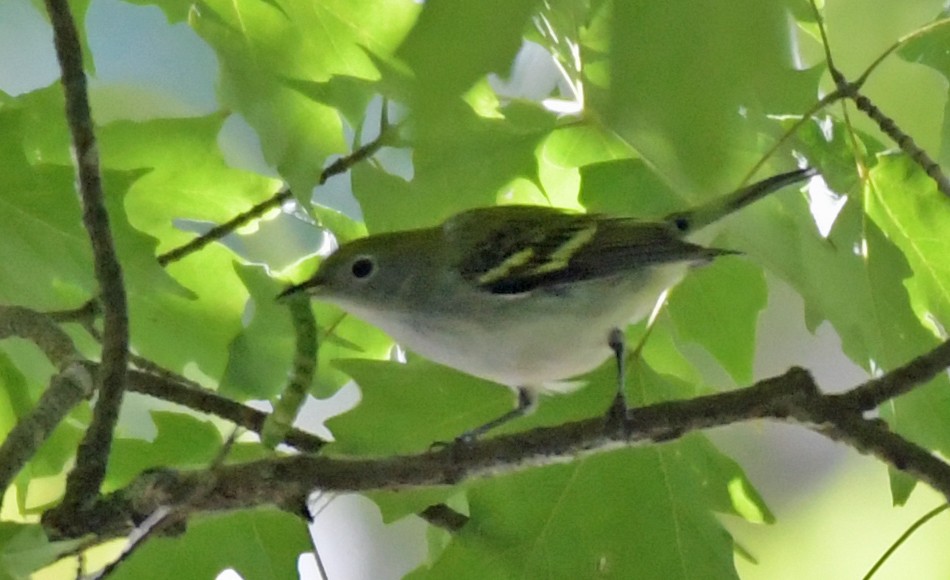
x,y
515,249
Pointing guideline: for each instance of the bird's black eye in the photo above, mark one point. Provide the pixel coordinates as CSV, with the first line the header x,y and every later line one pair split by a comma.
x,y
363,267
682,223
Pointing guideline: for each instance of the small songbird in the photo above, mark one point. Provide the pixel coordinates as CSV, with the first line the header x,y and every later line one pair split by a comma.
x,y
526,296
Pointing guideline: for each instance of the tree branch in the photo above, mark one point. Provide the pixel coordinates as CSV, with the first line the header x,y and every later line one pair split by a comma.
x,y
295,392
66,390
899,381
852,90
84,481
206,401
286,481
339,166
41,330
162,518
221,230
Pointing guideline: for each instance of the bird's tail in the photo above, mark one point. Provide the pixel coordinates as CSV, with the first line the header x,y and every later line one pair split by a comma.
x,y
694,219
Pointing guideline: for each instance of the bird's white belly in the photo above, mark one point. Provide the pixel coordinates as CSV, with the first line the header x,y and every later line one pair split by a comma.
x,y
525,353
527,341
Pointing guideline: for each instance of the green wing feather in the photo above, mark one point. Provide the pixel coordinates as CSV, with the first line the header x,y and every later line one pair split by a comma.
x,y
515,249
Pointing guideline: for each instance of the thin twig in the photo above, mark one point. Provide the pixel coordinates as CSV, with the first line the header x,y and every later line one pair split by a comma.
x,y
852,89
85,313
84,481
186,394
42,331
219,231
339,166
807,116
905,142
295,392
907,534
66,390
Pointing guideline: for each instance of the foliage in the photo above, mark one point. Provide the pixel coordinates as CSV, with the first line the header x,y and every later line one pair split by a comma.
x,y
668,106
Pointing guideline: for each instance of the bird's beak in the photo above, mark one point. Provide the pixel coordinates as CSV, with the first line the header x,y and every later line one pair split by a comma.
x,y
297,288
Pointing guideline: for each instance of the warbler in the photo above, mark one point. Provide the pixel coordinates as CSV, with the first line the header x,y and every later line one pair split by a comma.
x,y
525,296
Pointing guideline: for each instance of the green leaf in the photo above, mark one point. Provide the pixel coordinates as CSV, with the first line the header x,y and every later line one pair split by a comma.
x,y
181,441
828,145
37,128
24,548
259,357
406,407
15,394
175,10
644,513
394,505
454,44
662,353
187,179
343,227
627,187
634,513
904,202
46,241
263,46
57,451
923,415
579,145
692,107
45,252
467,164
258,544
718,307
388,202
348,95
929,47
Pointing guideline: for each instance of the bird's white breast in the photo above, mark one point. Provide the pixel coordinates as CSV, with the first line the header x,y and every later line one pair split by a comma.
x,y
529,340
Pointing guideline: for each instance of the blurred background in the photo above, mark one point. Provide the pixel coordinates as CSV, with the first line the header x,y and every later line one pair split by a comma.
x,y
832,504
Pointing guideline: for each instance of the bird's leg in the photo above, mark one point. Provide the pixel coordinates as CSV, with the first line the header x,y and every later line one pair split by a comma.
x,y
617,413
526,402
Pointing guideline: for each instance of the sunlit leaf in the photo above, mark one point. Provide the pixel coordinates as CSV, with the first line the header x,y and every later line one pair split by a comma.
x,y
258,544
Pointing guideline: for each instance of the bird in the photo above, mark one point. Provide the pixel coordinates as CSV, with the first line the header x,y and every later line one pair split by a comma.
x,y
525,296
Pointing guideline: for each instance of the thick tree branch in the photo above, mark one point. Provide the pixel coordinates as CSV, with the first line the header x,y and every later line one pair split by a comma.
x,y
84,481
287,481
